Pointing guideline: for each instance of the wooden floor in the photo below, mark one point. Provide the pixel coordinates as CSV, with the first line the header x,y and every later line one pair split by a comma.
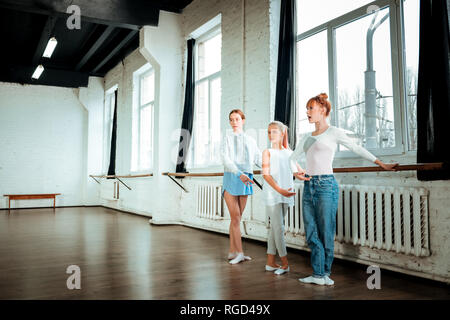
x,y
121,256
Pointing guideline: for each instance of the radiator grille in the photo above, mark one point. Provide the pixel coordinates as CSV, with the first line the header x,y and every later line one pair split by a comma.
x,y
386,218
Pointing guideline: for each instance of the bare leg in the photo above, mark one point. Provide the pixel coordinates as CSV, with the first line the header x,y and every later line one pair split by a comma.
x,y
271,261
235,215
242,204
284,262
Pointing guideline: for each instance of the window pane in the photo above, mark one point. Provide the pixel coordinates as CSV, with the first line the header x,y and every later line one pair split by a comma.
x,y
411,21
209,56
148,88
370,117
311,14
312,75
145,148
215,121
201,134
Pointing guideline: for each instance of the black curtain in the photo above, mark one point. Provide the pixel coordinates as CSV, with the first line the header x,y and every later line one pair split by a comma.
x,y
433,92
188,111
285,90
112,156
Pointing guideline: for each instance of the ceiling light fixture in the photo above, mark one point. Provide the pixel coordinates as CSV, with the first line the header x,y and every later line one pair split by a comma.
x,y
37,73
50,47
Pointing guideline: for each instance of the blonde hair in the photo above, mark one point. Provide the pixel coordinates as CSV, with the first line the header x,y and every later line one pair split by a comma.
x,y
279,124
284,131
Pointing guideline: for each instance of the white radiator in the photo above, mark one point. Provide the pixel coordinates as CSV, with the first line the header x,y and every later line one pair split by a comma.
x,y
209,201
386,218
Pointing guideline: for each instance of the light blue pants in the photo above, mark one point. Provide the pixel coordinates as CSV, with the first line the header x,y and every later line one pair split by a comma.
x,y
320,203
275,236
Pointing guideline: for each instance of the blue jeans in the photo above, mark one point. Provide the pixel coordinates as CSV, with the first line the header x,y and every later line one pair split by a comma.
x,y
319,204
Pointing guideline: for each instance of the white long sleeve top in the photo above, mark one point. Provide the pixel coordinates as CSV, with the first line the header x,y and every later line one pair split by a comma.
x,y
320,150
239,152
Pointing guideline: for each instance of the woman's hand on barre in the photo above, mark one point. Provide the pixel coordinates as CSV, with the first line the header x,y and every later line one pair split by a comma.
x,y
386,166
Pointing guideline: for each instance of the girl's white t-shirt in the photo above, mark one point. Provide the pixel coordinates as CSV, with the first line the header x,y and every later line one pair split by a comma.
x,y
281,170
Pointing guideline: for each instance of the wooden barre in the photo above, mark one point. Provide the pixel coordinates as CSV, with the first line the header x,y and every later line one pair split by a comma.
x,y
406,167
129,176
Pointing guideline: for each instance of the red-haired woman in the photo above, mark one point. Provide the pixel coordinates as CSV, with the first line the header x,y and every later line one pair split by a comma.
x,y
321,192
239,153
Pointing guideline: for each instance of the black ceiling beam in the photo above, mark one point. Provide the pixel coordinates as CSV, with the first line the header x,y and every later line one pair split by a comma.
x,y
45,36
50,77
129,14
176,8
95,47
122,43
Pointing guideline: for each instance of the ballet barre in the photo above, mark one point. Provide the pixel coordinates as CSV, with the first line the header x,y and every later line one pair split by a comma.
x,y
404,167
199,174
118,177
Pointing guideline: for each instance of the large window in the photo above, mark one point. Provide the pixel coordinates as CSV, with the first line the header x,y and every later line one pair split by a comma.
x,y
142,129
205,142
364,55
107,125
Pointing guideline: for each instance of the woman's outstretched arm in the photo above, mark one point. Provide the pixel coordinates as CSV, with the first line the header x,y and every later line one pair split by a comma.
x,y
350,144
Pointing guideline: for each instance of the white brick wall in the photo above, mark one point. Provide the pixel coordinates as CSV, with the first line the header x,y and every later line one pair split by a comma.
x,y
42,144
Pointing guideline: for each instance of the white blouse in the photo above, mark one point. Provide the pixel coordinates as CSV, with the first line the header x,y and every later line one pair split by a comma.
x,y
320,150
239,152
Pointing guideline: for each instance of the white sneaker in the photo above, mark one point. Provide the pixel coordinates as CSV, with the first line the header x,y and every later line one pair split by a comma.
x,y
232,255
311,279
269,268
280,271
239,258
247,258
328,281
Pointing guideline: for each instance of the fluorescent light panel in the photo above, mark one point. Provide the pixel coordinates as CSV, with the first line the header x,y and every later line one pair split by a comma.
x,y
37,73
50,47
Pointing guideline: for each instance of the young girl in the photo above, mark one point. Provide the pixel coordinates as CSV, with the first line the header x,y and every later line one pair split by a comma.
x,y
239,153
321,192
278,172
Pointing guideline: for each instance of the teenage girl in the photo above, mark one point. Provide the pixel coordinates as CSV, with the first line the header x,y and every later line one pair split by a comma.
x,y
239,153
321,192
278,172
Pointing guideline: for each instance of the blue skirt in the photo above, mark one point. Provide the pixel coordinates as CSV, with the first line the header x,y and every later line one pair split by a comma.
x,y
234,185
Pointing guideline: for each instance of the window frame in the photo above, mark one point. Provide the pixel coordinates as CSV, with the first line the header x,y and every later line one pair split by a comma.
x,y
139,75
398,56
207,35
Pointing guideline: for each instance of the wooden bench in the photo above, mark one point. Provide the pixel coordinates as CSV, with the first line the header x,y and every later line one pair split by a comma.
x,y
32,196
